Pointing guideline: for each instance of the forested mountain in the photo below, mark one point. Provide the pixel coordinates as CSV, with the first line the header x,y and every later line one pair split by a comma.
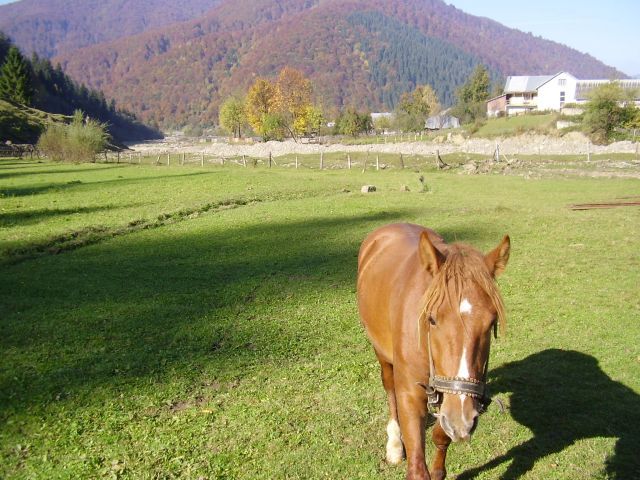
x,y
356,52
53,27
56,93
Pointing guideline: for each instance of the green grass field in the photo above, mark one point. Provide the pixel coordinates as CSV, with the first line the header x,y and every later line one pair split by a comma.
x,y
187,322
518,124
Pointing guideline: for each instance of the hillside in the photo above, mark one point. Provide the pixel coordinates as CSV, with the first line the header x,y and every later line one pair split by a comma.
x,y
55,95
53,27
356,52
22,124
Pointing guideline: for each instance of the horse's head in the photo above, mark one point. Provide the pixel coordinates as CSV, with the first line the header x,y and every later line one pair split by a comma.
x,y
461,308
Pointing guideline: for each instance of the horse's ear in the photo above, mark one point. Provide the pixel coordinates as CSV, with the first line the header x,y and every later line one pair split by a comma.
x,y
497,259
429,255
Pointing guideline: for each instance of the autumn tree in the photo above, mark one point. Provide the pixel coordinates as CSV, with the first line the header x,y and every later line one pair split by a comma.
x,y
309,122
293,99
472,96
15,78
232,116
260,106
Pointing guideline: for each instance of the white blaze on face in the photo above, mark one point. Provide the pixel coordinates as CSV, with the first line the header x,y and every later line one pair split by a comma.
x,y
463,368
465,306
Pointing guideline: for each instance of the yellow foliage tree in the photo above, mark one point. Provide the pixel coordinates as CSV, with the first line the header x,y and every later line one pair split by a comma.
x,y
260,104
309,121
293,99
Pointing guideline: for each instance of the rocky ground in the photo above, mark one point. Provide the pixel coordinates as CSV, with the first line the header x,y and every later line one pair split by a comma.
x,y
572,143
532,156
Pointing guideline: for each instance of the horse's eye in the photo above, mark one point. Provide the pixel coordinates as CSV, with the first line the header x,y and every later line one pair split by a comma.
x,y
432,320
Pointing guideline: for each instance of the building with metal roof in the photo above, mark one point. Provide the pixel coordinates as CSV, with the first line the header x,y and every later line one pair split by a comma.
x,y
526,93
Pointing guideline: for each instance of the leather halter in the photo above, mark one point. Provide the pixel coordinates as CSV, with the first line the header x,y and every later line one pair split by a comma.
x,y
439,384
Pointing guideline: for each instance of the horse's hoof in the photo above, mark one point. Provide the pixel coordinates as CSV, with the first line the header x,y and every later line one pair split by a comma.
x,y
395,457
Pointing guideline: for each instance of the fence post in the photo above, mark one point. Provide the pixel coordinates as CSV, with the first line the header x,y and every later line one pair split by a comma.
x,y
244,161
182,159
401,161
202,160
118,152
588,151
321,160
377,162
296,161
349,161
270,159
168,159
222,160
439,162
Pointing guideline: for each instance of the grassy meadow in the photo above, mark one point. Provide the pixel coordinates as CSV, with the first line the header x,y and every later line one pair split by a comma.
x,y
186,322
518,124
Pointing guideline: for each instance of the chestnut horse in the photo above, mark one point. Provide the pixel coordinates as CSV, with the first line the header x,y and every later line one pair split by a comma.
x,y
428,309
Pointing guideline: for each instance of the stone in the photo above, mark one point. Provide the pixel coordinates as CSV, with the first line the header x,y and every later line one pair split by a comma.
x,y
470,168
368,188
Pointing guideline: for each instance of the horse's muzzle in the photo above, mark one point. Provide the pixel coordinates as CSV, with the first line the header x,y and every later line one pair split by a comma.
x,y
460,430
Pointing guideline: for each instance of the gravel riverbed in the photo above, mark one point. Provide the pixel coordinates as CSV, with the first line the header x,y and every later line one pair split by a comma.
x,y
572,143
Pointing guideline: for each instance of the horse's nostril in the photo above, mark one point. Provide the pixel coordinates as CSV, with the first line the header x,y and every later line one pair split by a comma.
x,y
444,423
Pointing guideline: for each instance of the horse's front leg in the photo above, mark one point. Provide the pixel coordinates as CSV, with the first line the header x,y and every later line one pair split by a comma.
x,y
441,441
412,410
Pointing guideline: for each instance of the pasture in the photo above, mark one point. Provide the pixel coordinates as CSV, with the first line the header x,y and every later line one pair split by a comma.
x,y
187,322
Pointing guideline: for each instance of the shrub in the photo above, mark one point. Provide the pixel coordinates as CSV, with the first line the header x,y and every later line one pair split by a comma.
x,y
80,141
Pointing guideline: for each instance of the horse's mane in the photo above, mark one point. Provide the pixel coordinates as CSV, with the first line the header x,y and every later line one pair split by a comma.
x,y
463,264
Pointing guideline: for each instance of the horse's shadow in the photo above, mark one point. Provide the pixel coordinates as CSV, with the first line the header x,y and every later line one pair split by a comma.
x,y
562,397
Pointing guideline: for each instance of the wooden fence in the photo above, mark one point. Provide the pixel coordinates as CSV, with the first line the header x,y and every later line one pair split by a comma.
x,y
19,151
321,160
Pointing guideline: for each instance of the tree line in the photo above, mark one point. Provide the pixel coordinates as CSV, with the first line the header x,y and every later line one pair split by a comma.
x,y
37,83
284,108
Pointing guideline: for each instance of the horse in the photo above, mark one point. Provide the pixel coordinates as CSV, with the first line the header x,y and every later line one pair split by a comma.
x,y
428,309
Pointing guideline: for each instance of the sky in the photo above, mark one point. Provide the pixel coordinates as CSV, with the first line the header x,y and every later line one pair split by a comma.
x,y
608,30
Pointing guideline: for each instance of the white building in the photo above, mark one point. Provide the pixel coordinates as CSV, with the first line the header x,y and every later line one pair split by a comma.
x,y
527,93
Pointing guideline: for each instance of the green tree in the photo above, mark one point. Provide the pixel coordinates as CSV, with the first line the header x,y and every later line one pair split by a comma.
x,y
232,116
606,110
472,96
351,122
272,127
5,45
414,108
15,78
382,123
